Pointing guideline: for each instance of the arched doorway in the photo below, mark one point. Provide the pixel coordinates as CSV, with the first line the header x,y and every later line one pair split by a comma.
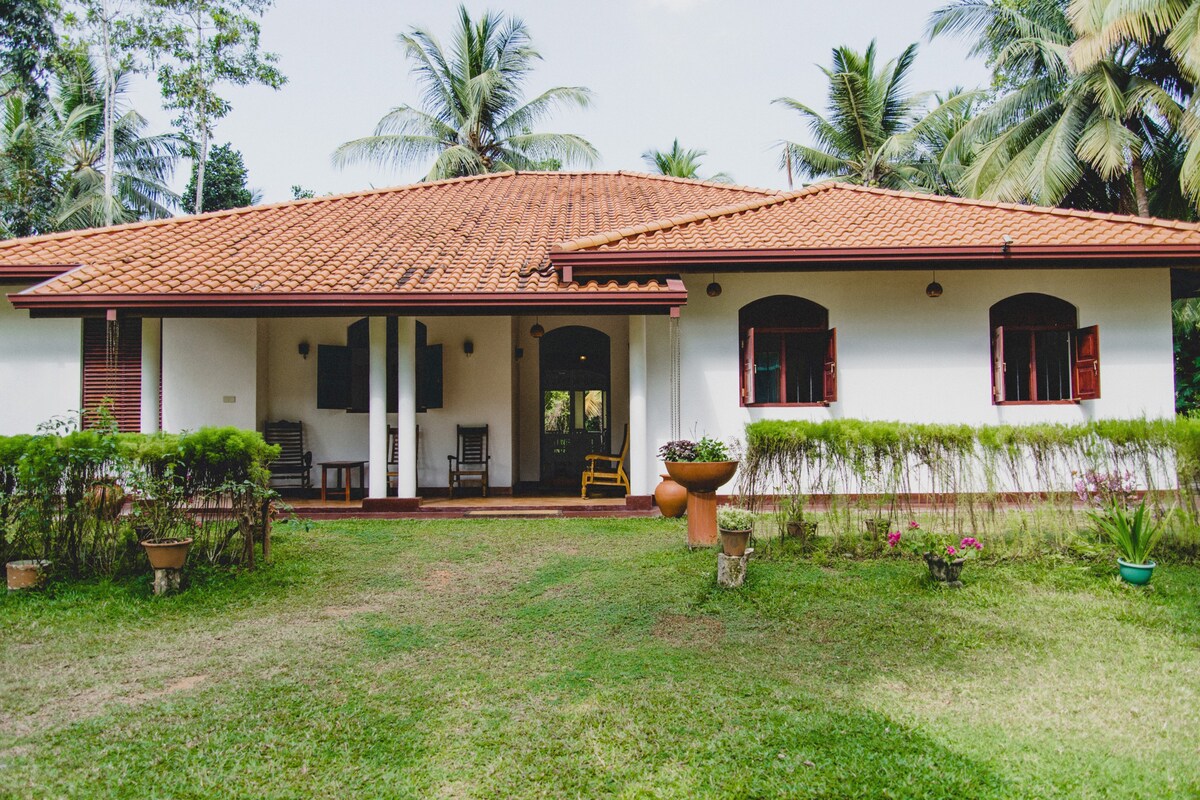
x,y
574,365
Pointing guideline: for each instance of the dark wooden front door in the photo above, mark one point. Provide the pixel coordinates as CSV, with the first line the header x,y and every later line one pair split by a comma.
x,y
575,402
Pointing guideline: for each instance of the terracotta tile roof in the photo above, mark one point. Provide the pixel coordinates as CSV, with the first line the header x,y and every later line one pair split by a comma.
x,y
847,217
487,234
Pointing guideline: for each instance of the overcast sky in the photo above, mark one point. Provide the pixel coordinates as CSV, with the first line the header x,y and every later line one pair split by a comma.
x,y
702,70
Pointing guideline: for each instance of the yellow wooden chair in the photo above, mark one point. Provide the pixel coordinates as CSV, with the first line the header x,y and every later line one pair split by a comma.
x,y
615,475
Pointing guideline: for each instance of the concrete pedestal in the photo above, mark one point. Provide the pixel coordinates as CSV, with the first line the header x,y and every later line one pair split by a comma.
x,y
167,580
731,570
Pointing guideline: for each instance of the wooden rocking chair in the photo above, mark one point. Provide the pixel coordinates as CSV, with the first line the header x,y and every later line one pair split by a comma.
x,y
615,475
471,461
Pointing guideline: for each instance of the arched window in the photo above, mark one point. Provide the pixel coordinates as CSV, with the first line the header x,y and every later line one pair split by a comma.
x,y
1039,355
789,353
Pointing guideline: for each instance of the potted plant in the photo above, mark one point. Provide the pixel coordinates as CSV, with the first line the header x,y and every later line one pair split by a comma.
x,y
944,558
701,467
26,573
735,525
161,517
1132,533
791,509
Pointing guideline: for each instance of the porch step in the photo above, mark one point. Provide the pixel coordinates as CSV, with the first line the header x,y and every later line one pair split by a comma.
x,y
513,513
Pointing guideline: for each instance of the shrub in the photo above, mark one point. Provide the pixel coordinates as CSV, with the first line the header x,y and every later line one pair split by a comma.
x,y
732,518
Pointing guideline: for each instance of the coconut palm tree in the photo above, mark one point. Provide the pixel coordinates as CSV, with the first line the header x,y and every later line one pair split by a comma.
x,y
30,168
473,117
873,132
1055,135
142,165
680,163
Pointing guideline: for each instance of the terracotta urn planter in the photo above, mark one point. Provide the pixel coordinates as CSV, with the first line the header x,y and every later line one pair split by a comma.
x,y
26,574
734,542
945,572
702,479
670,497
167,553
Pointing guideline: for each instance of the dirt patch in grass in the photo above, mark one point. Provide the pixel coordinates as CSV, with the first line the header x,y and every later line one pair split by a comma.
x,y
682,630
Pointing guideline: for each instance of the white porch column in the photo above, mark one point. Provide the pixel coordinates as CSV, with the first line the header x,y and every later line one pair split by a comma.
x,y
639,477
406,407
377,409
151,374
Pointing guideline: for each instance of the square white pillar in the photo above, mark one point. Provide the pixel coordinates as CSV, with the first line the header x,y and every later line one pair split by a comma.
x,y
151,374
377,408
639,472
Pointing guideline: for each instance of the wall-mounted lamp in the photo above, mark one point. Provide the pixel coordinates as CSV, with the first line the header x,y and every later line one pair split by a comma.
x,y
468,347
519,353
304,349
537,331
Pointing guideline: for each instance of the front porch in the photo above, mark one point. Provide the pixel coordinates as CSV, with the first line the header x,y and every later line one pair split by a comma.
x,y
521,506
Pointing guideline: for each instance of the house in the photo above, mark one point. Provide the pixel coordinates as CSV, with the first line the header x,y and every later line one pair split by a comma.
x,y
556,308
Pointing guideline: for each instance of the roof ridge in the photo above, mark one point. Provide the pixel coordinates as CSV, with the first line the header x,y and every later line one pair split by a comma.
x,y
711,213
1154,222
82,233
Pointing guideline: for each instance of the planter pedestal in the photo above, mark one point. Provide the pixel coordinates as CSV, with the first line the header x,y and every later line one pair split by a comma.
x,y
731,570
702,479
167,580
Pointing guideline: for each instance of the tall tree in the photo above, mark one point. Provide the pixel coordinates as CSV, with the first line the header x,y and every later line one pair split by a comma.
x,y
873,129
680,163
28,43
30,168
198,46
135,167
1056,135
225,186
473,117
107,28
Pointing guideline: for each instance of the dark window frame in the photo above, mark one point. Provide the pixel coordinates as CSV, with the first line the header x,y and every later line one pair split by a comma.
x,y
1033,313
763,317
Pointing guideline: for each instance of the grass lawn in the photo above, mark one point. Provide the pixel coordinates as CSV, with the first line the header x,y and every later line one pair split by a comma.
x,y
590,658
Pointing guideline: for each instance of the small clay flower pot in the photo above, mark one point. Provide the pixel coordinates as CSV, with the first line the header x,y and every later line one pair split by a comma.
x,y
733,543
167,553
26,574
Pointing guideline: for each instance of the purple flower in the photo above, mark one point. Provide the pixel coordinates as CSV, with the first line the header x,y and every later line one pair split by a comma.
x,y
893,538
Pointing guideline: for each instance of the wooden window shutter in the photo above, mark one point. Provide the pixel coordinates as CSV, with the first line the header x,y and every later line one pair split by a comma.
x,y
112,372
998,364
830,371
1087,363
333,376
748,368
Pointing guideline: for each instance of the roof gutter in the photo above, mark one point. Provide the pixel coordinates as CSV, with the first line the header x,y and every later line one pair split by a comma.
x,y
581,264
249,304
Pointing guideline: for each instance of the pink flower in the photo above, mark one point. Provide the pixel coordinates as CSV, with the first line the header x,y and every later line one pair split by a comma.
x,y
893,538
912,525
950,550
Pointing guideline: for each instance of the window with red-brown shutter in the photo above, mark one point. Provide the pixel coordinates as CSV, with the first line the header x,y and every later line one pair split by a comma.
x,y
788,352
112,371
1039,355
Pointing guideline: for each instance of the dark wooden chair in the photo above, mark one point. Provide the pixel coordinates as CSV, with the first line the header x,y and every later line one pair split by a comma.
x,y
294,462
393,449
613,474
470,464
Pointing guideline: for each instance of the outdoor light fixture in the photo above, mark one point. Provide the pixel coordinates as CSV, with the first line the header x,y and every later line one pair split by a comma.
x,y
934,289
304,349
537,331
468,347
1008,243
714,288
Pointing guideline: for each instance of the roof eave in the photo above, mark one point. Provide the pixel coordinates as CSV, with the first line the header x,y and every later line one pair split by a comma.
x,y
32,273
580,264
246,304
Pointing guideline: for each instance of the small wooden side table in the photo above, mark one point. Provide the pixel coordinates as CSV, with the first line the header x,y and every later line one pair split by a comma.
x,y
342,472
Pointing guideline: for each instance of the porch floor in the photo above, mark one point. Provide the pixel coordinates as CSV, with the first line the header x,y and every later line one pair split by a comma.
x,y
536,505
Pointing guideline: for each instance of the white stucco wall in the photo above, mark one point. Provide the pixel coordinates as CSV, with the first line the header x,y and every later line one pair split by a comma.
x,y
40,370
209,373
903,356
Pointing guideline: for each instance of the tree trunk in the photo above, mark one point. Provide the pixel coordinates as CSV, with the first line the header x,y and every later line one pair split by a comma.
x,y
201,112
1139,186
110,93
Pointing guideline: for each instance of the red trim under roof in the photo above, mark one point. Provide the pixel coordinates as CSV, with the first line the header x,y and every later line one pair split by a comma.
x,y
649,301
32,273
589,263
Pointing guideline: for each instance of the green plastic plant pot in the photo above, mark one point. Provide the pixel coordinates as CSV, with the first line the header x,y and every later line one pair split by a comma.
x,y
1137,574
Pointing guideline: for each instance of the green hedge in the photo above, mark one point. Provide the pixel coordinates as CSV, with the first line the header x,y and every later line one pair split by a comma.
x,y
210,484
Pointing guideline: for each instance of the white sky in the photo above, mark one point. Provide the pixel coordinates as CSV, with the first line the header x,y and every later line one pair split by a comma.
x,y
703,70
